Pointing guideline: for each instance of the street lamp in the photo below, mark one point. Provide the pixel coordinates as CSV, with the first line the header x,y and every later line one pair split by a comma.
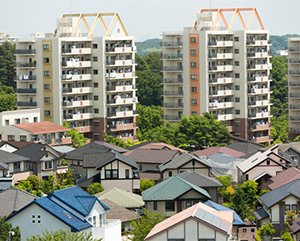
x,y
10,233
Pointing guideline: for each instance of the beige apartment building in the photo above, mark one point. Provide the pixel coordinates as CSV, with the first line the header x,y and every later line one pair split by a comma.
x,y
213,68
81,76
294,86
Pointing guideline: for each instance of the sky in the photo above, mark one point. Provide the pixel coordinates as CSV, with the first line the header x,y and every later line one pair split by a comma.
x,y
143,19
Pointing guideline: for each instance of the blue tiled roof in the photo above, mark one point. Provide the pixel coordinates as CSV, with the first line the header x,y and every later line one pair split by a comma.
x,y
237,220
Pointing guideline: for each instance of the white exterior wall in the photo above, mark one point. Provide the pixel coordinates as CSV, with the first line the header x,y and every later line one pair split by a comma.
x,y
290,200
8,148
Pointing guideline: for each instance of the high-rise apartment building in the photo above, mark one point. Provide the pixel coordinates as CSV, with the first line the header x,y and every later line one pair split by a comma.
x,y
79,77
213,68
294,86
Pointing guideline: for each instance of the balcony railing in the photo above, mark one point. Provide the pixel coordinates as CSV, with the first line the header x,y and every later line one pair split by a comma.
x,y
295,107
25,77
172,56
294,49
172,44
294,72
25,65
171,68
294,61
172,117
295,130
295,118
173,105
23,103
295,95
25,91
175,93
294,84
24,51
173,81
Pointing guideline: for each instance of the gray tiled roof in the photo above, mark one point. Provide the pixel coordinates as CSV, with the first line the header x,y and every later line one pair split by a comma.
x,y
151,156
244,146
260,214
199,180
7,157
14,199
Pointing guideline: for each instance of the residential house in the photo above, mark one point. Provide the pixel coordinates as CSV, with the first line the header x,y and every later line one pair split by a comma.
x,y
150,145
210,184
285,177
173,195
261,166
243,145
276,202
67,209
247,231
214,150
295,229
123,198
199,222
148,160
118,212
98,162
12,146
13,169
182,163
14,199
45,160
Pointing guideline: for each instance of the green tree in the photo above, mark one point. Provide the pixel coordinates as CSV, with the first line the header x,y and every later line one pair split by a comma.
x,y
95,188
265,232
279,131
34,182
78,139
7,64
5,228
154,62
8,98
145,184
286,236
225,191
62,235
145,224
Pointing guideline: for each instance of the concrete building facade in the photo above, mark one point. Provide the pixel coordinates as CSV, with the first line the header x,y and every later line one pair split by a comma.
x,y
210,68
75,76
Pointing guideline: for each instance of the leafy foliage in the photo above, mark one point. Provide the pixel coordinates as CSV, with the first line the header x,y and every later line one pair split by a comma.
x,y
144,225
148,46
8,98
95,188
265,230
63,235
78,139
7,64
280,129
145,184
280,42
6,227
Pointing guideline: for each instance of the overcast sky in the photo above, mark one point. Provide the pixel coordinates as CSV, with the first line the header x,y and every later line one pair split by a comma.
x,y
143,19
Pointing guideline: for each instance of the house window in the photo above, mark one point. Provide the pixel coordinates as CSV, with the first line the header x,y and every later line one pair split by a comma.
x,y
278,172
6,122
188,204
47,99
111,174
47,73
96,136
193,52
237,123
154,205
95,46
236,51
247,177
194,77
170,206
244,230
28,166
95,71
17,166
170,173
127,173
193,64
194,89
294,207
94,220
10,137
35,119
194,101
95,59
48,164
193,40
96,123
23,138
46,60
47,113
46,47
252,230
287,207
268,162
47,86
140,167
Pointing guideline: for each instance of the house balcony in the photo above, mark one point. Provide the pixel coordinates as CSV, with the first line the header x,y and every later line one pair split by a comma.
x,y
123,50
173,68
56,141
294,72
222,68
84,129
223,117
295,95
26,104
173,105
76,51
25,91
25,78
220,43
121,114
122,101
259,115
6,181
20,176
79,103
255,128
172,118
226,80
262,54
222,105
76,77
173,81
258,42
172,57
81,90
83,116
76,64
25,51
170,44
120,88
173,93
26,65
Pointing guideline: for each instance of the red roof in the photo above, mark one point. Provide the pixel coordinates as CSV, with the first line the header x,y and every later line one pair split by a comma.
x,y
285,177
214,150
41,127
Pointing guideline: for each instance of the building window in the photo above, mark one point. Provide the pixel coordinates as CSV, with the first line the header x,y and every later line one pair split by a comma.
x,y
170,206
193,52
95,59
278,172
112,174
23,138
287,207
170,173
294,207
236,63
237,112
127,173
268,162
96,97
140,167
47,99
194,113
194,101
47,86
237,87
48,164
96,136
95,85
10,137
94,220
46,47
17,121
194,77
237,99
6,122
193,40
96,123
244,230
17,166
95,46
47,73
194,89
237,123
236,39
35,119
252,230
95,71
47,113
154,205
96,111
236,51
247,177
193,64
46,60
237,75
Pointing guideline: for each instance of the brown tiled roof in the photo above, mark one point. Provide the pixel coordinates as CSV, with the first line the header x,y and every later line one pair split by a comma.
x,y
295,227
41,127
151,156
17,144
285,177
213,150
161,146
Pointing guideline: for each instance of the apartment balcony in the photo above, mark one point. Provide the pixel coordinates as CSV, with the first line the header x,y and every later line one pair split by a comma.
x,y
79,103
259,79
294,72
114,75
124,49
170,44
122,101
121,114
80,90
120,88
263,66
294,61
259,103
294,118
7,180
173,93
173,69
172,56
294,130
25,65
25,51
294,84
224,43
220,93
84,129
25,91
172,118
173,105
258,115
263,127
221,105
295,107
254,91
121,127
223,117
294,49
262,54
83,116
229,128
26,104
226,80
76,64
295,95
120,62
258,42
222,68
57,141
76,51
174,81
26,78
224,56
262,139
76,77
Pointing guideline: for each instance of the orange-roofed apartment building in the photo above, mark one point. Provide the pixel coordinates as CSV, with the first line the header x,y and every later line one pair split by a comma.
x,y
81,73
211,67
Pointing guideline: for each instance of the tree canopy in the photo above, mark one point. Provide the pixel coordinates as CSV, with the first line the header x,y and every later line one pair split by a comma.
x,y
78,139
6,227
7,64
145,184
94,188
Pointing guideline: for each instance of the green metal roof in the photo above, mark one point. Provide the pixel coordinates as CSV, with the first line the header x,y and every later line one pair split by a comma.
x,y
170,189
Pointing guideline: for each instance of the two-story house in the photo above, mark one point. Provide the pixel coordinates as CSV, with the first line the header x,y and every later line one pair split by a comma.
x,y
67,209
